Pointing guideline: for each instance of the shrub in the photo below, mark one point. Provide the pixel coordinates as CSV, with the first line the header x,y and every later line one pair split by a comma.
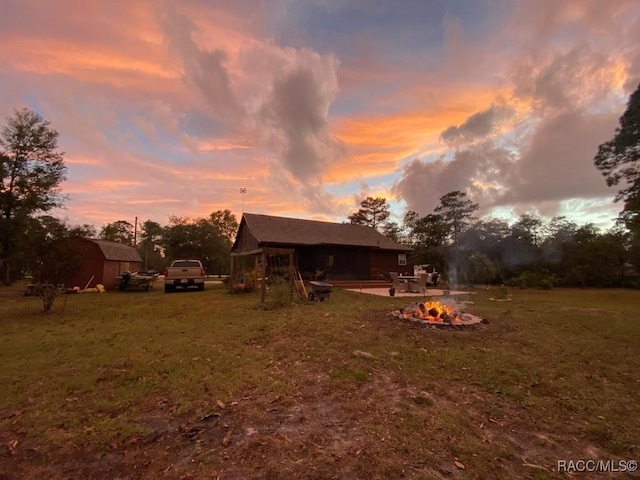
x,y
279,293
533,279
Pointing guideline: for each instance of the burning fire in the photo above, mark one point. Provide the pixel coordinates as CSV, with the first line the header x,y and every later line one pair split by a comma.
x,y
438,314
432,312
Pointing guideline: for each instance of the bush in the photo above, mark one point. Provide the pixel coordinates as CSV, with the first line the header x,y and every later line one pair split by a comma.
x,y
280,293
533,279
631,282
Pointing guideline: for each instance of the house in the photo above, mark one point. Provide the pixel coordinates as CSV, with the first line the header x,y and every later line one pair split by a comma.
x,y
342,251
103,262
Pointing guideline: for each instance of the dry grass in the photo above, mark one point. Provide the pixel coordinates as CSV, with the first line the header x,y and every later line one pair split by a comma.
x,y
206,384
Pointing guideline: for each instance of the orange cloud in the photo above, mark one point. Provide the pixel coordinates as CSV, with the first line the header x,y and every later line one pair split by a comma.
x,y
221,145
98,186
126,47
80,159
377,144
42,55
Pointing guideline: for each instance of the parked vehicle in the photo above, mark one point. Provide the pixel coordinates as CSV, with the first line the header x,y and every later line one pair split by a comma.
x,y
184,274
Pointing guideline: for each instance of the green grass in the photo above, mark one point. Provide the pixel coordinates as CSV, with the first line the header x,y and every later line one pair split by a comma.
x,y
121,384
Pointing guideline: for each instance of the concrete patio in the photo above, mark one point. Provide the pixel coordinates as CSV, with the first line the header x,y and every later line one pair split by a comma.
x,y
429,292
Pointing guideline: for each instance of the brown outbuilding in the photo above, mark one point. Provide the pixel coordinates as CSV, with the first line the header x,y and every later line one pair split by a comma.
x,y
104,261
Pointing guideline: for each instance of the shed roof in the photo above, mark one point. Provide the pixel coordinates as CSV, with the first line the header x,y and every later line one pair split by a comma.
x,y
268,229
117,251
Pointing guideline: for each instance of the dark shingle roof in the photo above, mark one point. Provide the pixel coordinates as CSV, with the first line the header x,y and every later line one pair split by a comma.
x,y
117,251
293,231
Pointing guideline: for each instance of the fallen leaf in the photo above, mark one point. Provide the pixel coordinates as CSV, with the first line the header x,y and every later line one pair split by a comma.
x,y
221,404
227,437
459,465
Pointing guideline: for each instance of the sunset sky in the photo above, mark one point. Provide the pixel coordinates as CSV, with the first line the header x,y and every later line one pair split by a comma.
x,y
170,107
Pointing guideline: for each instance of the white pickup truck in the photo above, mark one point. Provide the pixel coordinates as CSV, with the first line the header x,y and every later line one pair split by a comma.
x,y
184,274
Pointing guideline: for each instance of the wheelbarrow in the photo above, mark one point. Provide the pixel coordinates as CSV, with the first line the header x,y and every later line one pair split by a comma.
x,y
320,291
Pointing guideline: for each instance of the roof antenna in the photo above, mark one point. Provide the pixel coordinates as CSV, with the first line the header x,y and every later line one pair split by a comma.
x,y
243,191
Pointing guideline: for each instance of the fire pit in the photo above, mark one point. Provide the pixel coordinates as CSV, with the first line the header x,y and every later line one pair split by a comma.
x,y
437,314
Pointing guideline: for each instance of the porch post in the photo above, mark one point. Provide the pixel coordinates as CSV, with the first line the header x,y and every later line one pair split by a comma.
x,y
292,271
263,273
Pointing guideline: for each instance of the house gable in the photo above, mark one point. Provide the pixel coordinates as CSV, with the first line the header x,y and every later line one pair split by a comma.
x,y
244,241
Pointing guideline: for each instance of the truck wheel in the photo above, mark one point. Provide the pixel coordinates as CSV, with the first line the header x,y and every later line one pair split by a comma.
x,y
201,287
168,288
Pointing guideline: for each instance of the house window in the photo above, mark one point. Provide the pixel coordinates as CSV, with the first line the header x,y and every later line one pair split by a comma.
x,y
402,259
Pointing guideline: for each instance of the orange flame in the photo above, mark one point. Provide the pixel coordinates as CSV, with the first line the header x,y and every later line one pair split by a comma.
x,y
433,312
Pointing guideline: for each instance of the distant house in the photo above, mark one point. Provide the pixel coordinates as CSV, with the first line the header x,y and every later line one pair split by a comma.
x,y
104,261
341,251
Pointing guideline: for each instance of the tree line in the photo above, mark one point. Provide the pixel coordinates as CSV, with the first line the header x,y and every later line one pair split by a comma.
x,y
208,239
529,252
45,250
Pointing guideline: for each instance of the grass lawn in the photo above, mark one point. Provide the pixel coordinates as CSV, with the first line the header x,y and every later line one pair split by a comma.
x,y
207,384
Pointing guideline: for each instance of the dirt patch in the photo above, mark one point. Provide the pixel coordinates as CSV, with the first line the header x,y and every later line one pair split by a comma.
x,y
384,428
